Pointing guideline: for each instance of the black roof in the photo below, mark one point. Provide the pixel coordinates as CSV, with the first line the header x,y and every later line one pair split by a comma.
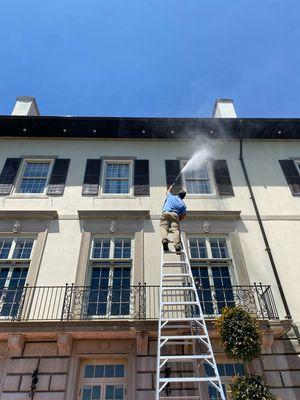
x,y
149,128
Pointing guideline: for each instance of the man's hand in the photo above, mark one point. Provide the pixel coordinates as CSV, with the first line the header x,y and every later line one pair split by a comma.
x,y
182,217
169,189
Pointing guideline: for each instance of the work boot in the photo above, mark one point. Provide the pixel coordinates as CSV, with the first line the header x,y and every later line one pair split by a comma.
x,y
178,249
165,245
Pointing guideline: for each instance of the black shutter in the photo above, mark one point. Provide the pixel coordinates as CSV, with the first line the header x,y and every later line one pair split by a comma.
x,y
222,178
8,175
291,175
91,177
141,178
58,177
172,171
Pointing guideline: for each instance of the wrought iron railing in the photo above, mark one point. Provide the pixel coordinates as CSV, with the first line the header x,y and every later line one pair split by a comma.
x,y
140,302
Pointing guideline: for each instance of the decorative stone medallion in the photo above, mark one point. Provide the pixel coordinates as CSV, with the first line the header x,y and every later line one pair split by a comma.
x,y
17,226
206,227
113,226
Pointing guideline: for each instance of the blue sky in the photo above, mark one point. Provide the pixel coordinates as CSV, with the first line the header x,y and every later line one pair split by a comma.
x,y
169,58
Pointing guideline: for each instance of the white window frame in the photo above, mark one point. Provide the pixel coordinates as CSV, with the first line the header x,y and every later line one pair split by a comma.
x,y
226,380
130,178
16,190
110,264
103,382
12,263
212,182
211,262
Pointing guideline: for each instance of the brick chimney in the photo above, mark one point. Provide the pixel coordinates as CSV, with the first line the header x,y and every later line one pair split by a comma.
x,y
25,105
224,108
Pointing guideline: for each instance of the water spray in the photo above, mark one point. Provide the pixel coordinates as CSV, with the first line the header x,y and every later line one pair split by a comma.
x,y
194,162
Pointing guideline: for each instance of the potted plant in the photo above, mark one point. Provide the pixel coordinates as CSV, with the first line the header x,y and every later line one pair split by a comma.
x,y
251,387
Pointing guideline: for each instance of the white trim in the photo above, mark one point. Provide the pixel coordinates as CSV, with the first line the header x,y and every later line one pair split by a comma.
x,y
212,183
16,192
103,382
103,177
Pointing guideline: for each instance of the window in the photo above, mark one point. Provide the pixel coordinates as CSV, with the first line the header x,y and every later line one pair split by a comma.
x,y
110,277
226,371
212,271
117,177
15,255
198,181
298,165
103,381
34,176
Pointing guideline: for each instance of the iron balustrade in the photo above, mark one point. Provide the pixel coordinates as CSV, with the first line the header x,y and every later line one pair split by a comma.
x,y
140,302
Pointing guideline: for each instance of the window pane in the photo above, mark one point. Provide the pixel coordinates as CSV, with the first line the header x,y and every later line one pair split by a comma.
x,y
109,371
101,248
13,293
89,371
117,178
5,245
117,170
116,186
99,371
119,371
198,248
35,177
198,187
86,393
23,248
219,248
122,248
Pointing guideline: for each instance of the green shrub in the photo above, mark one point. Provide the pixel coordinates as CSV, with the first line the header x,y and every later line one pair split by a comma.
x,y
250,387
239,333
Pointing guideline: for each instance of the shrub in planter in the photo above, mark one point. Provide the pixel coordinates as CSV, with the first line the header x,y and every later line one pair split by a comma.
x,y
239,333
250,387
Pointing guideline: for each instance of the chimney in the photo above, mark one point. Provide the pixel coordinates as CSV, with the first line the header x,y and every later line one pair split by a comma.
x,y
224,108
25,105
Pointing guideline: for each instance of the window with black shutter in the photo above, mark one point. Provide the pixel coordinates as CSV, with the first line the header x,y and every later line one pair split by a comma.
x,y
291,170
172,171
222,178
58,177
91,179
141,178
8,175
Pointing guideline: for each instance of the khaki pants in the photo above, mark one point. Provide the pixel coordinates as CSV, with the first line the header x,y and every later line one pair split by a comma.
x,y
170,220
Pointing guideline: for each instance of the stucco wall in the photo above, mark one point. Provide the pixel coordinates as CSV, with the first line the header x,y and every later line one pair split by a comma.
x,y
279,209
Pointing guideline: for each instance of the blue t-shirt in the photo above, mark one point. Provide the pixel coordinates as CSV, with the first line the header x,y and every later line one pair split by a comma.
x,y
174,204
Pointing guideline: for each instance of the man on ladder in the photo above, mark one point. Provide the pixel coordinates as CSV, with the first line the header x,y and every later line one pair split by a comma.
x,y
174,211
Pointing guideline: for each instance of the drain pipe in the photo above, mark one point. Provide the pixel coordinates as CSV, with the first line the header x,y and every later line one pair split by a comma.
x,y
263,232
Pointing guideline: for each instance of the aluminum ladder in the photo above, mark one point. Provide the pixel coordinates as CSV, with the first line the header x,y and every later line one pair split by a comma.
x,y
186,365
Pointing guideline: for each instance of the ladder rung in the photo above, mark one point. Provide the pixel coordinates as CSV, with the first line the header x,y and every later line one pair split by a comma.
x,y
177,288
188,379
196,319
174,262
184,337
177,275
180,303
186,357
183,397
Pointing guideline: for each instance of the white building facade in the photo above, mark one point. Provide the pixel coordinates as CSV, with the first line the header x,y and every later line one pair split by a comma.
x,y
80,246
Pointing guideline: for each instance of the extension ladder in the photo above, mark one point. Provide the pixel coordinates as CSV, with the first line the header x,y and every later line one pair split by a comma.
x,y
186,368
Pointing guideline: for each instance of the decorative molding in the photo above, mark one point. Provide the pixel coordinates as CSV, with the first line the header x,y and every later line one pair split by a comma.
x,y
17,227
206,227
114,214
272,217
64,344
230,215
15,345
142,343
28,214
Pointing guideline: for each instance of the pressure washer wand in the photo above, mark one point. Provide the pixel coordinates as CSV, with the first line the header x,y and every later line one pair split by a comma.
x,y
176,179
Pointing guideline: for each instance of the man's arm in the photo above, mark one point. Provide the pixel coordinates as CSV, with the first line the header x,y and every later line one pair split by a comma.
x,y
169,189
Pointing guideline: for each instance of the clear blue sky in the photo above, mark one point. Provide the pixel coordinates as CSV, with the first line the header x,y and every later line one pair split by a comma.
x,y
151,57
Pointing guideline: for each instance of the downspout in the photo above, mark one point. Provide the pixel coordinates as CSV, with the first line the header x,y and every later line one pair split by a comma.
x,y
263,232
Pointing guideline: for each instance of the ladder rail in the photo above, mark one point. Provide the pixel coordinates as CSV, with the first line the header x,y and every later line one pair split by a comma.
x,y
187,297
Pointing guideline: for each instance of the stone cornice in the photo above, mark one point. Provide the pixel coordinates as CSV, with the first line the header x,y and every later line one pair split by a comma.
x,y
28,214
114,214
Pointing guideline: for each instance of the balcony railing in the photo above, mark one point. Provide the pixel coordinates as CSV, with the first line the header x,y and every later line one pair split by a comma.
x,y
140,302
